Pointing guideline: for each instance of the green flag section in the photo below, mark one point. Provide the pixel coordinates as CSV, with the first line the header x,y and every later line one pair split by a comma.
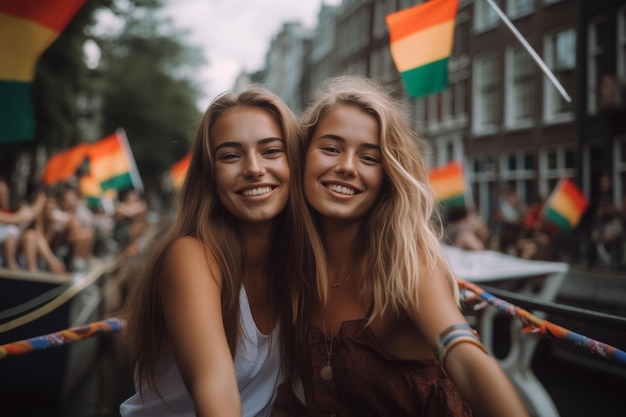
x,y
27,28
421,39
565,206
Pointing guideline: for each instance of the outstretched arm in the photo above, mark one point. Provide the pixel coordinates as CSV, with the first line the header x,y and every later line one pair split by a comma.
x,y
479,378
190,289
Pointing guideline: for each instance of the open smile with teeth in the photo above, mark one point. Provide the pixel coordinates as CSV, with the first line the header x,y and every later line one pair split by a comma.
x,y
256,191
341,189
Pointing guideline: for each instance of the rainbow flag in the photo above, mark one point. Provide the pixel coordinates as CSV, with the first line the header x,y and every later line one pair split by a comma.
x,y
421,39
27,28
112,164
448,184
64,165
179,170
565,206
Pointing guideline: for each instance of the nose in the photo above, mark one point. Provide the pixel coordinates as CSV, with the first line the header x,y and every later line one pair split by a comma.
x,y
254,166
345,165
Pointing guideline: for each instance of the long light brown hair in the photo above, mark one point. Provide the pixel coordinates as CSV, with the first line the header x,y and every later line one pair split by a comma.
x,y
201,214
400,237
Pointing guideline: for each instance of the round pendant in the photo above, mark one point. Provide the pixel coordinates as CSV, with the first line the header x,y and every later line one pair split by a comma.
x,y
327,373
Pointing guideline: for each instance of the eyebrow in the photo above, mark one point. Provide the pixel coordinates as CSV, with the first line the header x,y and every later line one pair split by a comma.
x,y
239,145
342,140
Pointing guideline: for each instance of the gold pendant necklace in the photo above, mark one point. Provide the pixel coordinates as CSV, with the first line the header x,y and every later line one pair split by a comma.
x,y
327,371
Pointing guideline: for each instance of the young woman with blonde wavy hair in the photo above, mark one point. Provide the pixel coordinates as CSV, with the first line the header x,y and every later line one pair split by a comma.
x,y
381,323
204,315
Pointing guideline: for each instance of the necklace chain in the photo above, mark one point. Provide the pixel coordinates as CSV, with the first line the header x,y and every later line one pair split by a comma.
x,y
327,371
339,283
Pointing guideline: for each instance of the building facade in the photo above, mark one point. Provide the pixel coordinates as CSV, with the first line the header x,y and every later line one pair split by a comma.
x,y
501,115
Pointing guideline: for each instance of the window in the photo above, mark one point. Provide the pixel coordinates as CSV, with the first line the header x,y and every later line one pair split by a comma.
x,y
518,169
482,176
594,56
433,103
485,17
486,101
560,55
376,62
555,163
620,170
380,24
460,46
519,87
519,8
388,66
459,89
621,45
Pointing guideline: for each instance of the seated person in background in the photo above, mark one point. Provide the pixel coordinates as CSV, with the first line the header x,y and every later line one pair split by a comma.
x,y
461,229
35,244
128,213
73,227
12,224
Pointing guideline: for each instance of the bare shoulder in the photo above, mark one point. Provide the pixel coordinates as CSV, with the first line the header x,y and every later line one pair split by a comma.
x,y
188,259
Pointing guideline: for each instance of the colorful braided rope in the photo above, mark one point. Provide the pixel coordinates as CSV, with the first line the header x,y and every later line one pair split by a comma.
x,y
111,325
534,324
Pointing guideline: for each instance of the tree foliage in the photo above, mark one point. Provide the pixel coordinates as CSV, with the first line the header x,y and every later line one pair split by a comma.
x,y
144,82
148,90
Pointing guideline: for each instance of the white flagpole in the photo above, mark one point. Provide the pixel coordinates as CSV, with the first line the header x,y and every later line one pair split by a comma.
x,y
531,51
134,172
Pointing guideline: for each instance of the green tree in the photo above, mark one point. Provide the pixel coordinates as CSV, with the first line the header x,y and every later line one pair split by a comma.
x,y
148,90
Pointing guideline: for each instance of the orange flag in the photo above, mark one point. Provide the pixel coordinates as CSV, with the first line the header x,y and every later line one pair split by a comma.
x,y
179,170
63,166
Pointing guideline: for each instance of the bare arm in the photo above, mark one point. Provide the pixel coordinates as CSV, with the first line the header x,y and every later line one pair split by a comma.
x,y
469,241
190,290
479,378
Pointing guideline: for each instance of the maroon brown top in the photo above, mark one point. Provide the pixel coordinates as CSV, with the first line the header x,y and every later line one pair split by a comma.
x,y
369,381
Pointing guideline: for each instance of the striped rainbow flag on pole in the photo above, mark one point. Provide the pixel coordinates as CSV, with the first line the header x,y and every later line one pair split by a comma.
x,y
421,39
27,29
565,206
448,184
112,164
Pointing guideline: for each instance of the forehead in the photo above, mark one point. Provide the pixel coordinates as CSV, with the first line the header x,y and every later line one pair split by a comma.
x,y
243,124
349,122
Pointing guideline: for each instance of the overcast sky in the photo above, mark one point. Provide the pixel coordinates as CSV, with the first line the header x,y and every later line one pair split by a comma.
x,y
236,34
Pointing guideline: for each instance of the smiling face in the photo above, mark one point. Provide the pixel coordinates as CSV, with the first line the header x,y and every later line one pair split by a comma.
x,y
251,168
343,172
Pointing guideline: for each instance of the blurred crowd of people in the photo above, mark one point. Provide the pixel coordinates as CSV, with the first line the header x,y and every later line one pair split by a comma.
x,y
519,229
55,230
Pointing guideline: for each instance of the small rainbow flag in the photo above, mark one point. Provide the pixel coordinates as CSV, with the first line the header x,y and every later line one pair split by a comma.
x,y
179,170
448,184
112,164
27,29
64,165
421,39
565,206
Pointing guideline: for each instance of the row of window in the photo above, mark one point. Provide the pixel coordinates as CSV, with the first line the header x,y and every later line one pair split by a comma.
x,y
518,85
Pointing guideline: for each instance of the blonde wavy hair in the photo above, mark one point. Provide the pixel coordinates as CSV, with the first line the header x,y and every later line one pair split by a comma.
x,y
201,214
401,234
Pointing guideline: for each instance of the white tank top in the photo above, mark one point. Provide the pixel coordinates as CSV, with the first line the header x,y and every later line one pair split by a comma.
x,y
256,365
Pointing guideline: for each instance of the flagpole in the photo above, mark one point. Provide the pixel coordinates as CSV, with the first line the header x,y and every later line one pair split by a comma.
x,y
134,172
531,51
